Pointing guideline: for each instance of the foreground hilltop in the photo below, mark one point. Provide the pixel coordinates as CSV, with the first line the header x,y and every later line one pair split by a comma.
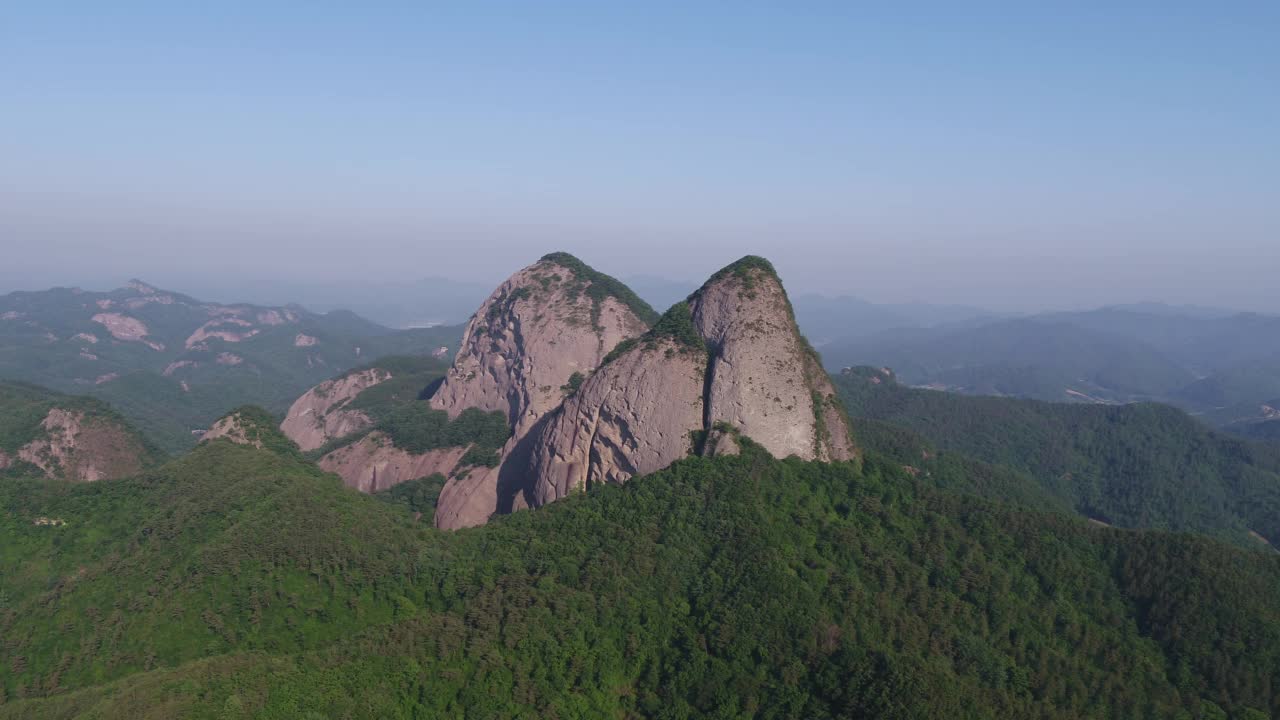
x,y
238,582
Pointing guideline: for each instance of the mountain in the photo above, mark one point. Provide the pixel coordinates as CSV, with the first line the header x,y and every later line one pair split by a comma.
x,y
240,582
395,422
1025,357
1213,363
1249,385
729,361
61,437
834,319
1260,421
172,364
1136,466
541,331
586,392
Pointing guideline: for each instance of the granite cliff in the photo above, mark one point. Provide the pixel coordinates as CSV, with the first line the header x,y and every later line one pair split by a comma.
x,y
729,361
531,342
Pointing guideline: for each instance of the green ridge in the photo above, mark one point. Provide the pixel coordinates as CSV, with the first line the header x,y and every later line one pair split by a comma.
x,y
237,583
1139,466
262,427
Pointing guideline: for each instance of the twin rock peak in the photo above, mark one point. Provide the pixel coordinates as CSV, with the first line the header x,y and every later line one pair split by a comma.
x,y
598,388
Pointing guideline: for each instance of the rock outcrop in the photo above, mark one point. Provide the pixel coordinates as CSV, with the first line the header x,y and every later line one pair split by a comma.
x,y
552,319
231,427
250,425
548,324
764,379
728,361
636,415
320,415
75,446
373,463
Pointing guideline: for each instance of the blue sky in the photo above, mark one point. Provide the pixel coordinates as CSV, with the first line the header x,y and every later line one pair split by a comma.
x,y
990,153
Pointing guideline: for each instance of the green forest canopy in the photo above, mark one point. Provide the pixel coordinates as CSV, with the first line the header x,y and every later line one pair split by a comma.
x,y
237,582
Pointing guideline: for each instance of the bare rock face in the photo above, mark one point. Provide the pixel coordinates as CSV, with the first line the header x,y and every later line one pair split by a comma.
x,y
636,415
320,414
75,447
535,331
373,464
730,361
548,324
763,378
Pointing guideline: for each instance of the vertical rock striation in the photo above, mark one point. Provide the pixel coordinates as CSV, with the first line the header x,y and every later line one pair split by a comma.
x,y
548,324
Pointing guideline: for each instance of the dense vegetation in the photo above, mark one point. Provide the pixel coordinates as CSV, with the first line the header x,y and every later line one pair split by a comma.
x,y
676,324
417,496
240,583
1264,430
598,286
419,428
1138,466
416,427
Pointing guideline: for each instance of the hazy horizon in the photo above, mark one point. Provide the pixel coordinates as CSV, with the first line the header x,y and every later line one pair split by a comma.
x,y
1018,160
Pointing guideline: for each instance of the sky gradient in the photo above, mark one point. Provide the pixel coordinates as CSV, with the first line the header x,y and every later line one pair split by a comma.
x,y
1001,155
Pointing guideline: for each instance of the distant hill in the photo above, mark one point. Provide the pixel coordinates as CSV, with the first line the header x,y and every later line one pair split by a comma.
x,y
173,364
1210,362
49,435
1027,357
1137,466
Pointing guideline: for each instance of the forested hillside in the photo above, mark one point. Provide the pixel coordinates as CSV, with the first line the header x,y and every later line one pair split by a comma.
x,y
172,364
240,583
1137,466
47,434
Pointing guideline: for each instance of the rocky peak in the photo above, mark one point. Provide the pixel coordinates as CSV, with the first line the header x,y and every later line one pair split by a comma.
x,y
533,340
321,415
250,425
142,287
546,322
764,379
728,362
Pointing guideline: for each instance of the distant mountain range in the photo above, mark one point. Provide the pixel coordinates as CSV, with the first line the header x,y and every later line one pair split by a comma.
x,y
172,363
1223,366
